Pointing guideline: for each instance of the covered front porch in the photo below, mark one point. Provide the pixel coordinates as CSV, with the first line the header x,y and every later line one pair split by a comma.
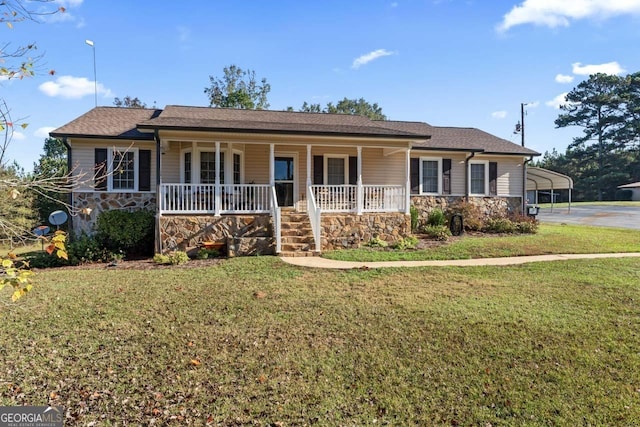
x,y
252,178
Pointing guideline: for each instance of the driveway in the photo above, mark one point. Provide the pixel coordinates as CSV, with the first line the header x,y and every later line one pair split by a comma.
x,y
604,216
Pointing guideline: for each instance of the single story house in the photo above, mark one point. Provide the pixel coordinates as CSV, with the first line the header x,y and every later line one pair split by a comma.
x,y
279,181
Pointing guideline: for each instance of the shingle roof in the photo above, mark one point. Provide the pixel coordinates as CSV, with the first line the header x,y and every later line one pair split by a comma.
x,y
127,123
108,122
458,138
229,120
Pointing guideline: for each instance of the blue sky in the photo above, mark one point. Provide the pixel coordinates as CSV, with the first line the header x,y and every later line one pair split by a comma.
x,y
446,62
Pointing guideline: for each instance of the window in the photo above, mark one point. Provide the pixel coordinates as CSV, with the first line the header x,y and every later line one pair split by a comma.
x,y
208,167
478,178
430,175
237,176
336,170
122,169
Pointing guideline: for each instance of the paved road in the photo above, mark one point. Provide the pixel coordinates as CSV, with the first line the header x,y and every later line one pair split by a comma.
x,y
605,216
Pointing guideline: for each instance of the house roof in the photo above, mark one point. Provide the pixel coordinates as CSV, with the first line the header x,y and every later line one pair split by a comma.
x,y
108,122
632,185
461,139
267,121
135,123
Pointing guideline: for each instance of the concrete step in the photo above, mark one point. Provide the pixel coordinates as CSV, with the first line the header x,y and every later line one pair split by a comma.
x,y
293,232
298,253
295,247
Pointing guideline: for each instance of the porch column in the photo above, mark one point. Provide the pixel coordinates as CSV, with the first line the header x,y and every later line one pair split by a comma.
x,y
308,165
272,161
195,179
407,190
360,193
218,195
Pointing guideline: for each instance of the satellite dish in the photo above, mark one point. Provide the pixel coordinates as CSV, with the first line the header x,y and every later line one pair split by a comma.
x,y
58,218
41,230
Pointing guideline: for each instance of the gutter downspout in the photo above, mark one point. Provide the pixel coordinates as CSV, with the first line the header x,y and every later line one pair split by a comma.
x,y
466,174
65,141
158,243
524,185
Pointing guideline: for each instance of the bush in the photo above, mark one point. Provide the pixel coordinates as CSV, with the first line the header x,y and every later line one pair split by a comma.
x,y
205,253
515,224
377,242
415,216
526,225
471,214
173,258
499,225
437,232
409,242
436,217
130,233
85,249
44,260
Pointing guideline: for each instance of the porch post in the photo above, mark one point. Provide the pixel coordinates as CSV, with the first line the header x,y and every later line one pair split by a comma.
x,y
194,173
308,165
360,193
407,170
272,160
218,195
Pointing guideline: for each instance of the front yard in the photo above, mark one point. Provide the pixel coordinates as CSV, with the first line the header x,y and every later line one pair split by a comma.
x,y
255,341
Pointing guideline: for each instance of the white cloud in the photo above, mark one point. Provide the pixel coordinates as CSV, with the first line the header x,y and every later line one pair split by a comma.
x,y
609,68
18,136
71,87
69,3
562,78
557,101
368,57
499,114
394,4
560,13
43,132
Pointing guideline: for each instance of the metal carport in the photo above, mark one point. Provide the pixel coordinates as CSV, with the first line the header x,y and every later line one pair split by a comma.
x,y
545,179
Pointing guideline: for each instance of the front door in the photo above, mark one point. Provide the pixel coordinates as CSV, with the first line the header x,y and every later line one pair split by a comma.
x,y
284,180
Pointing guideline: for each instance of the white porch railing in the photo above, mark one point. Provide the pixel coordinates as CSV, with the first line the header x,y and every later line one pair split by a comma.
x,y
314,218
383,198
201,198
275,213
348,198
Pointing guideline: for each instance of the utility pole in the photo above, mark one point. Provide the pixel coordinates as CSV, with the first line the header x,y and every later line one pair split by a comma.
x,y
522,121
95,77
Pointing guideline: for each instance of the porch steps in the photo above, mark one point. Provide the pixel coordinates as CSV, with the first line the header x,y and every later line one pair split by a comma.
x,y
296,233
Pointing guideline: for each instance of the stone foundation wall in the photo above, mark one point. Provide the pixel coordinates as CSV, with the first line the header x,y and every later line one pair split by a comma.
x,y
491,206
341,231
243,234
98,202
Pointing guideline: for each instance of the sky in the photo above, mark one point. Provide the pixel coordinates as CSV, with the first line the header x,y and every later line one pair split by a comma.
x,y
466,63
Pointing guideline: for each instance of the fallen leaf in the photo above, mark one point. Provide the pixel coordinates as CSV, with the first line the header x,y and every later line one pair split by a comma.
x,y
195,362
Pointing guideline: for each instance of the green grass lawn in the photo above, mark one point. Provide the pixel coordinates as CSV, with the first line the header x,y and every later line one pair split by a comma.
x,y
550,239
256,341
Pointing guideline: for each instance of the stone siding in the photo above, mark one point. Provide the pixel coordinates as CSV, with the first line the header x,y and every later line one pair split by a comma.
x,y
341,231
491,206
98,202
243,234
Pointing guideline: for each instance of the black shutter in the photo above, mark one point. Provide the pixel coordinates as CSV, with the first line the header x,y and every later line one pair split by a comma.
x,y
144,170
353,170
493,178
446,176
100,169
414,174
318,170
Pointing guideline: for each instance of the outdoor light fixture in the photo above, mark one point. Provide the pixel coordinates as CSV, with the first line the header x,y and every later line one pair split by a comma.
x,y
95,79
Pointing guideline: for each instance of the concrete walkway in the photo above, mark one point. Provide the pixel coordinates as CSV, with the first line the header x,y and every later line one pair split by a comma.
x,y
317,262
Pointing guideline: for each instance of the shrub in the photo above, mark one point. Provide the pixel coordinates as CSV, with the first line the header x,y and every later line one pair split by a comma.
x,y
44,260
515,224
472,217
130,233
85,249
437,232
205,253
415,216
377,242
499,225
173,258
526,225
436,217
409,242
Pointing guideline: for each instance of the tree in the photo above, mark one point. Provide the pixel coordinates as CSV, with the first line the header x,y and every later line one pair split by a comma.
x,y
346,106
596,105
52,163
238,89
128,102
